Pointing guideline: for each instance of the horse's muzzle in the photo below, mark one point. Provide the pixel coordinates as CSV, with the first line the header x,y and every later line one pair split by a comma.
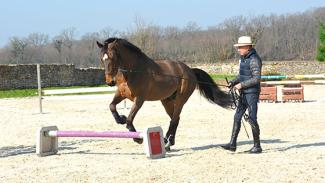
x,y
112,83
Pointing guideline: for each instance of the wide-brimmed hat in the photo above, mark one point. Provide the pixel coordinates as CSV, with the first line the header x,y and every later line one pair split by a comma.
x,y
244,41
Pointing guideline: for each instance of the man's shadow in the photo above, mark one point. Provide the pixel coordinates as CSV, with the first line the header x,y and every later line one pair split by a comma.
x,y
270,141
300,146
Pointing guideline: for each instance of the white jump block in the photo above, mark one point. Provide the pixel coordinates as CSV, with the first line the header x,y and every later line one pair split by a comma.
x,y
46,145
154,142
47,139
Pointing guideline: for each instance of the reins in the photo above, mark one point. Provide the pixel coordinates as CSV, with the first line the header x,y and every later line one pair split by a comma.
x,y
162,74
236,101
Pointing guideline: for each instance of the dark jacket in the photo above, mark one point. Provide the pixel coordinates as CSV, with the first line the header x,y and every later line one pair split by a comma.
x,y
250,72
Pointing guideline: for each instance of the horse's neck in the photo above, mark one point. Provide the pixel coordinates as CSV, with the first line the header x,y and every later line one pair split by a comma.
x,y
135,68
136,62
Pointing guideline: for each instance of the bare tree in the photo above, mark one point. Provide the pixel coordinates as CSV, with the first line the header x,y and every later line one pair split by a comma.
x,y
36,46
255,27
277,37
38,39
58,45
145,36
18,49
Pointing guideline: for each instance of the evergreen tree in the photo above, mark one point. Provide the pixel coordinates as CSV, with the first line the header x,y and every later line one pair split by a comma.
x,y
321,45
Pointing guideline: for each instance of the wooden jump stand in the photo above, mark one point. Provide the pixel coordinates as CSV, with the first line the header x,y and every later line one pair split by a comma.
x,y
268,93
293,92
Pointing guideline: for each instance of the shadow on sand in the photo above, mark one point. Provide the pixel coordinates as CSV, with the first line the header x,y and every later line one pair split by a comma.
x,y
22,149
270,141
73,145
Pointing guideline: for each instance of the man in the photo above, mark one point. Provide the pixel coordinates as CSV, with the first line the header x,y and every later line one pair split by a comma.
x,y
248,84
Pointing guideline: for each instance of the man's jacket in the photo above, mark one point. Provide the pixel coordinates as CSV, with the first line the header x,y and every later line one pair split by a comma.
x,y
250,72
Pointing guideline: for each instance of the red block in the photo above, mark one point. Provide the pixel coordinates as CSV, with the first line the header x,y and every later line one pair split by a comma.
x,y
268,93
155,143
293,93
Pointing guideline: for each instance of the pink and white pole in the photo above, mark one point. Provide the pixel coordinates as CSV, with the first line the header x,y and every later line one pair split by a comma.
x,y
47,139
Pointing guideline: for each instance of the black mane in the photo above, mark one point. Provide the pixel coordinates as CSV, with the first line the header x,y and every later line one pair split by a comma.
x,y
109,40
125,43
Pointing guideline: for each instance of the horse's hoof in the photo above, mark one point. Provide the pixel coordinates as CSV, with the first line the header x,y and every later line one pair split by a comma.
x,y
167,149
170,140
138,140
167,146
122,120
165,140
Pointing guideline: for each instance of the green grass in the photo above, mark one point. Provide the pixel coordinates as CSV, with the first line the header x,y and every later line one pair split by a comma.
x,y
33,92
222,77
18,93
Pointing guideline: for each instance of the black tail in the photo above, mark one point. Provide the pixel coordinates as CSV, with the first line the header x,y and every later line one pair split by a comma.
x,y
209,89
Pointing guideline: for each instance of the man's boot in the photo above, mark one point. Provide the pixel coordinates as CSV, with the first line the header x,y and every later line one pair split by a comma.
x,y
256,135
231,146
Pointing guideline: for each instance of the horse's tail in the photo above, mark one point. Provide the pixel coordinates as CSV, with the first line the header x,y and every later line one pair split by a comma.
x,y
210,90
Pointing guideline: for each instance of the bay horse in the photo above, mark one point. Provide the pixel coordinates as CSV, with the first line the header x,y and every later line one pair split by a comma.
x,y
139,78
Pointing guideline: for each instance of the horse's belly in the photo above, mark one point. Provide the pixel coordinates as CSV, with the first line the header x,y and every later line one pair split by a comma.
x,y
161,90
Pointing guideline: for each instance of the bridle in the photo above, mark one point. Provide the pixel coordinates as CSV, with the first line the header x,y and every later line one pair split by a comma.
x,y
237,97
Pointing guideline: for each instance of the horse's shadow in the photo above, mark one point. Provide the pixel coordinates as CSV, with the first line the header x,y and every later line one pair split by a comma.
x,y
16,150
22,149
73,145
90,152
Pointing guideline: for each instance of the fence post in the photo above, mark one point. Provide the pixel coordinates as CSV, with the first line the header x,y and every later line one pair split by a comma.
x,y
39,86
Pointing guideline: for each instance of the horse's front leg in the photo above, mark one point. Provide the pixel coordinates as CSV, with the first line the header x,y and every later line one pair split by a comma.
x,y
120,119
138,102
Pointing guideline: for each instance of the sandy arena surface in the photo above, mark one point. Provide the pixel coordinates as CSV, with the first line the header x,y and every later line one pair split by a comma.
x,y
293,142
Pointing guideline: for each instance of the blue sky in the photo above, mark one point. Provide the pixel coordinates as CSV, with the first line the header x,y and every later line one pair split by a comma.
x,y
22,17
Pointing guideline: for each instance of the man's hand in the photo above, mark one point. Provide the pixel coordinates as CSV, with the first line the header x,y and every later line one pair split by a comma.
x,y
237,86
230,84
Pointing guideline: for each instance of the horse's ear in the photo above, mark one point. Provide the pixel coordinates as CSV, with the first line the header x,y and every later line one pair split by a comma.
x,y
100,45
115,42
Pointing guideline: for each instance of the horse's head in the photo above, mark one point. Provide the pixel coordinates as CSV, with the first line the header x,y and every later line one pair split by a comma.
x,y
108,57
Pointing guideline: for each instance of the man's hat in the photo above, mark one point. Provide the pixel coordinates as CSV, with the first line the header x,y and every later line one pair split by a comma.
x,y
244,41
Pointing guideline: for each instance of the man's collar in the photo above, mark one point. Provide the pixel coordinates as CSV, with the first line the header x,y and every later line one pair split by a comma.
x,y
250,52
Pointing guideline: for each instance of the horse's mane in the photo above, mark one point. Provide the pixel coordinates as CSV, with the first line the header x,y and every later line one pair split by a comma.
x,y
125,43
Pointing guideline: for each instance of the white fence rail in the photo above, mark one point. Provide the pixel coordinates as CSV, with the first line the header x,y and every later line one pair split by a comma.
x,y
79,90
41,92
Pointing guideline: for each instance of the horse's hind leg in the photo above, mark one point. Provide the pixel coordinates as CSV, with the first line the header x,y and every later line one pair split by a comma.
x,y
178,103
112,106
169,107
171,133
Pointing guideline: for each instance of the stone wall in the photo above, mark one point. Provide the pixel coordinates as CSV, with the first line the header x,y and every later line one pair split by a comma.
x,y
270,67
25,76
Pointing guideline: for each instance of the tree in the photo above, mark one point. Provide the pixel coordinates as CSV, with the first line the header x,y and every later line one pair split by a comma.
x,y
38,39
34,52
58,45
321,44
65,40
145,36
18,49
